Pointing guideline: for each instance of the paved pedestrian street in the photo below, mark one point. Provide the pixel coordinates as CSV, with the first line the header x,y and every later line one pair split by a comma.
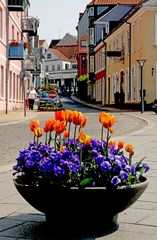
x,y
18,220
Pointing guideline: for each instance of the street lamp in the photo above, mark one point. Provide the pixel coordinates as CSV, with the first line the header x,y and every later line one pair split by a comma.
x,y
141,63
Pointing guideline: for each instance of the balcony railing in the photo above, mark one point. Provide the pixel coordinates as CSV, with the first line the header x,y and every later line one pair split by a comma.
x,y
17,5
16,52
30,25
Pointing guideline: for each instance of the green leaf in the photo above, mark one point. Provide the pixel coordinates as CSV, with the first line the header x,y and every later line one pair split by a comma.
x,y
85,181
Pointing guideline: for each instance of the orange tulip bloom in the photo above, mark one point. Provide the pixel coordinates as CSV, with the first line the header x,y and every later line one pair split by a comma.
x,y
130,149
120,144
34,124
66,134
37,132
62,148
81,136
112,143
59,127
102,116
84,121
60,115
108,121
68,115
77,118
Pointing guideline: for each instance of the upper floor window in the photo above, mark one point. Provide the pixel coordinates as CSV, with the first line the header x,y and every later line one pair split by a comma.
x,y
18,36
74,66
53,68
83,43
128,41
66,66
1,23
13,34
122,41
46,68
49,56
58,67
91,11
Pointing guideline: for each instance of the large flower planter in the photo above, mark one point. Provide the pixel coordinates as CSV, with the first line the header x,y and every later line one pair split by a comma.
x,y
16,52
86,212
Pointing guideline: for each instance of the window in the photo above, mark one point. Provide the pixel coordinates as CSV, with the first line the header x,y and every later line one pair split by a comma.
x,y
66,66
18,36
17,88
127,86
74,66
14,84
2,82
13,36
46,68
91,11
49,56
83,61
58,67
101,9
53,68
134,87
128,41
10,85
1,23
83,43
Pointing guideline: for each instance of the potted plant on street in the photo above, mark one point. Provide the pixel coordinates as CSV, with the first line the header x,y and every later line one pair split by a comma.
x,y
80,183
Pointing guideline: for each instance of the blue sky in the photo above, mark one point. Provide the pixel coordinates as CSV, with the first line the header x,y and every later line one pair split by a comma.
x,y
57,17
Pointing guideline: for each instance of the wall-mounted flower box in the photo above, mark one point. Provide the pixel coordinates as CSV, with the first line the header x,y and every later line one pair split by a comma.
x,y
16,51
16,5
30,25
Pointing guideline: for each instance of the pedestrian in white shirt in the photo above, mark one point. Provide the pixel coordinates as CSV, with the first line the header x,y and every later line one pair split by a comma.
x,y
31,98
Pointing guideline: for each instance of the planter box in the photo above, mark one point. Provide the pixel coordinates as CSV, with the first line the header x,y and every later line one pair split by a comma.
x,y
16,52
16,5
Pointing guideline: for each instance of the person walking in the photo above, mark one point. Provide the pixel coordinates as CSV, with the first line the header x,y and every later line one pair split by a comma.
x,y
31,98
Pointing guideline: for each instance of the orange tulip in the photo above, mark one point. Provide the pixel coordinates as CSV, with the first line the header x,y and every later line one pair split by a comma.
x,y
60,115
130,149
84,121
108,121
112,143
77,118
102,116
120,144
68,115
59,127
34,124
81,135
37,132
62,148
66,134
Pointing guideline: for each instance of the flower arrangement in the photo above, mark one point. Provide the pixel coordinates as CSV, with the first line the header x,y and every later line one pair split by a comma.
x,y
14,43
70,158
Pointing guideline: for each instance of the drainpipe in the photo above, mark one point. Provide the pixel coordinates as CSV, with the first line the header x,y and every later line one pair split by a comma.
x,y
129,59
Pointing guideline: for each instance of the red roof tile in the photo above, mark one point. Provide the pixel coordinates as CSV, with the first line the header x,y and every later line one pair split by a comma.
x,y
59,55
106,2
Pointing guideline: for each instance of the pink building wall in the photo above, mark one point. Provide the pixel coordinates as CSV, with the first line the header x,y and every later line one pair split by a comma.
x,y
11,78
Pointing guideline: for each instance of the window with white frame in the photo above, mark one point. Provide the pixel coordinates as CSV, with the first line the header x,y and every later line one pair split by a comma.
x,y
128,41
114,86
91,11
46,68
83,43
122,41
14,86
53,68
58,67
134,85
127,85
2,82
1,23
10,85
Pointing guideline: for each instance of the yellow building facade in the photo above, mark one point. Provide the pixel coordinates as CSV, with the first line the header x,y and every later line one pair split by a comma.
x,y
136,39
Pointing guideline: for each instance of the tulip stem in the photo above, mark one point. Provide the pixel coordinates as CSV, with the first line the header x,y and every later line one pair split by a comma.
x,y
102,133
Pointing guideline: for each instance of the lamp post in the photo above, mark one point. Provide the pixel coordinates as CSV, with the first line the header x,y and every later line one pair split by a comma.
x,y
141,63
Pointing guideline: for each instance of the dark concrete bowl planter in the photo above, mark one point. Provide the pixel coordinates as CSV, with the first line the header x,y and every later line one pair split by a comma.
x,y
86,212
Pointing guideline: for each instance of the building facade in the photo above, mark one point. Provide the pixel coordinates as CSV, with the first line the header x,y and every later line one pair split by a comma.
x,y
17,32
